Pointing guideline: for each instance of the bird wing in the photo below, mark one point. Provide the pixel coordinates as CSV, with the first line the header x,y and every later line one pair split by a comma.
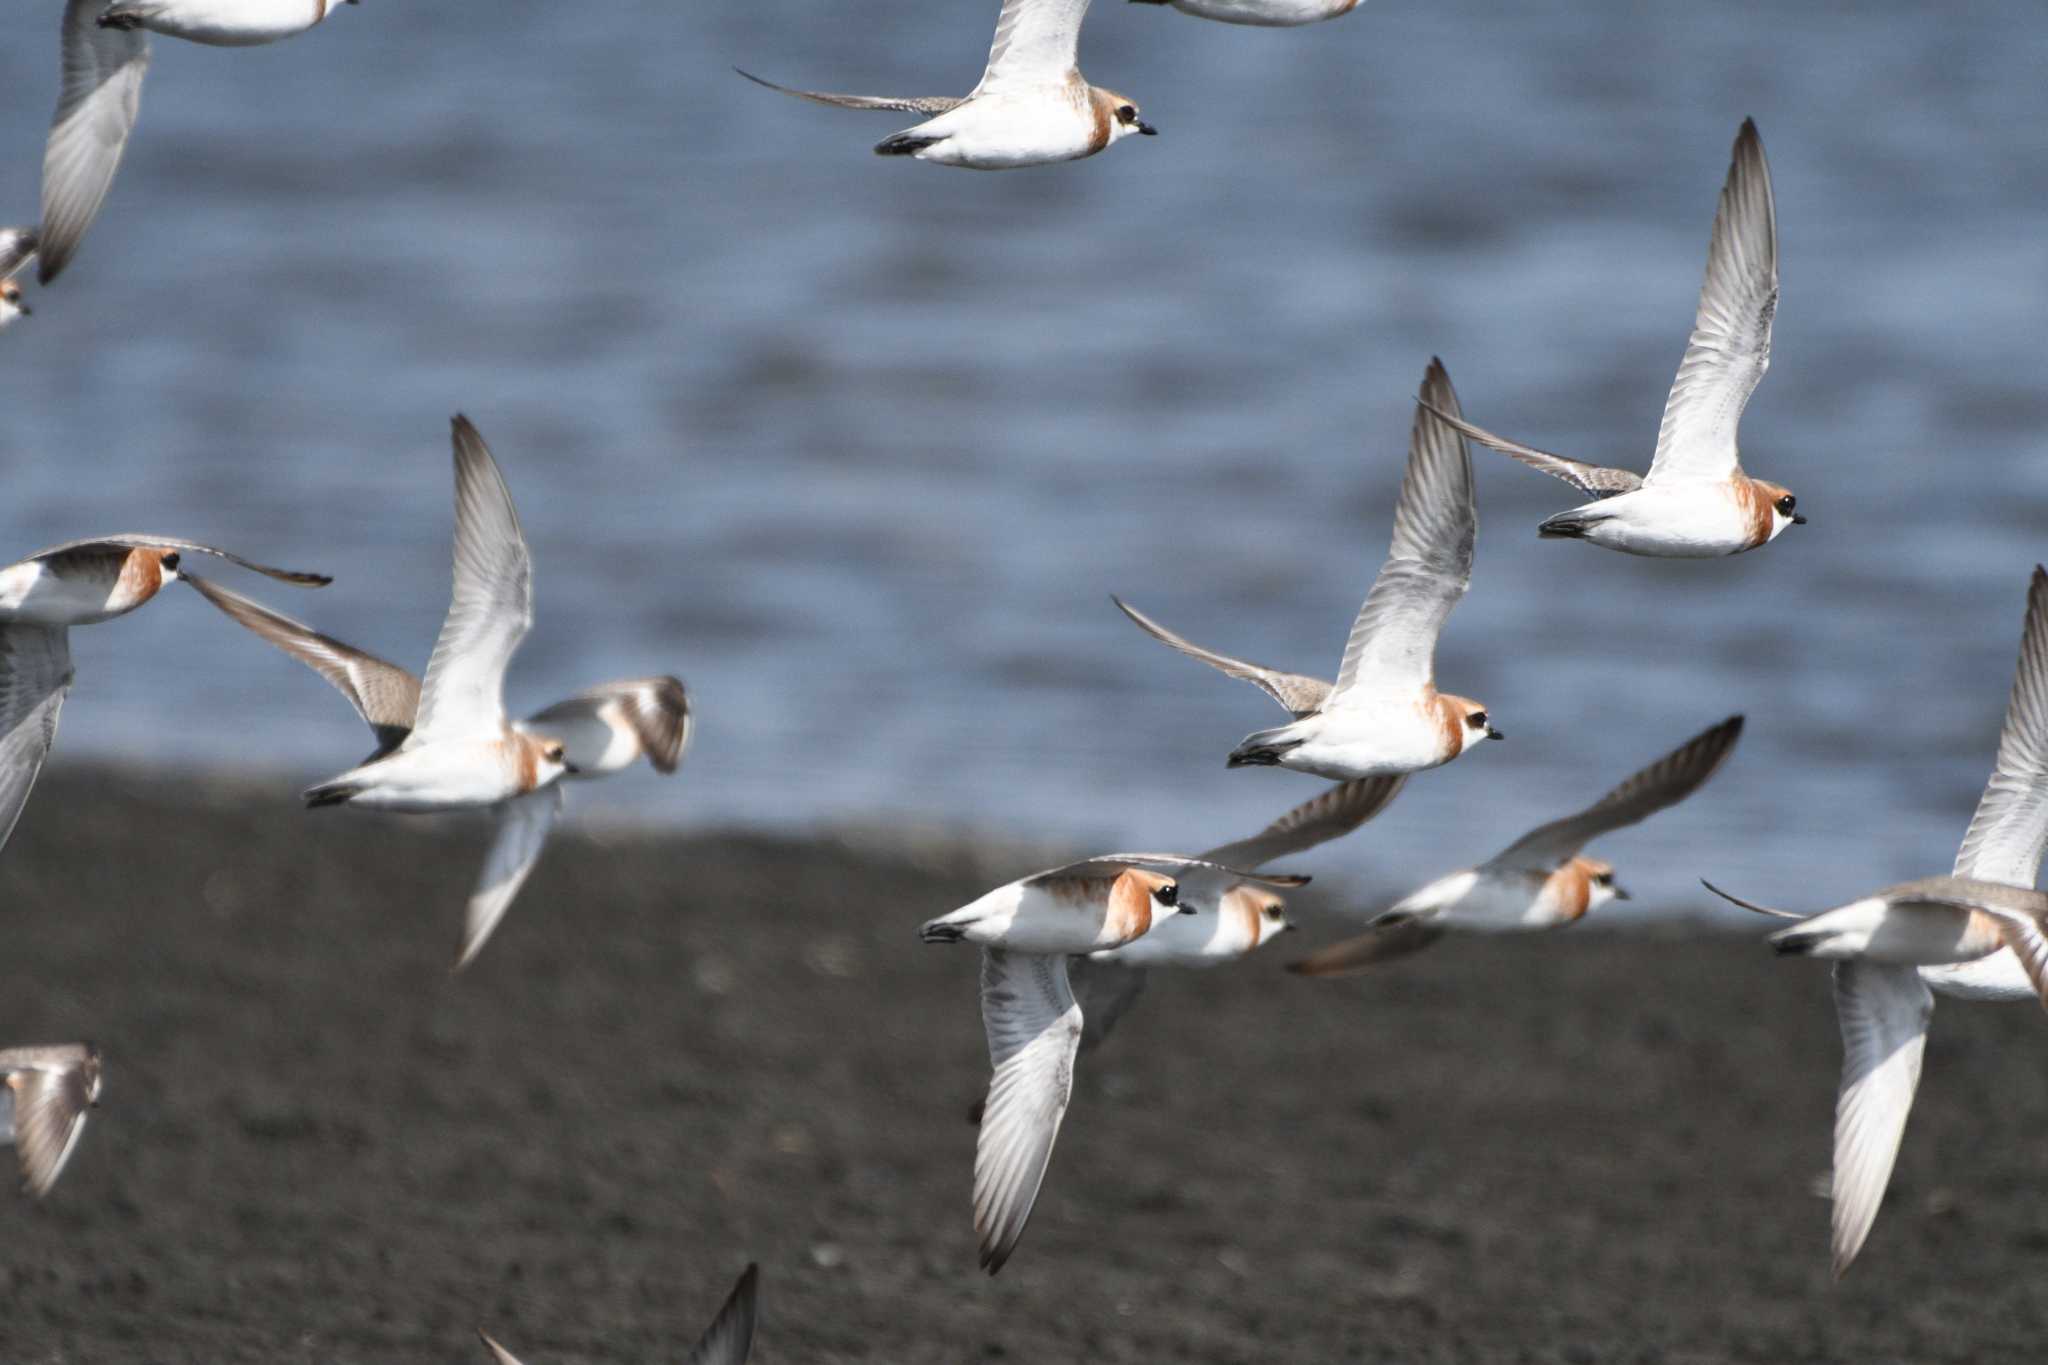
x,y
1883,1011
1034,1031
1105,991
463,695
657,709
35,672
1300,694
523,825
17,249
1391,937
383,694
2010,828
96,105
109,544
731,1334
1664,783
1336,812
49,1113
1595,481
1037,43
928,105
1392,648
498,1353
1112,865
1731,336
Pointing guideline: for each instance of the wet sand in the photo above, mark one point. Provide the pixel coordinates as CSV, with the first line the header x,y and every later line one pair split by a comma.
x,y
682,1053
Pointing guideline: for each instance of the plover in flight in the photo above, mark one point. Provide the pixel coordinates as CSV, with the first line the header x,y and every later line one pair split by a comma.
x,y
1032,107
41,598
725,1342
1384,715
105,53
603,730
1027,930
1973,936
1541,880
1695,503
43,1105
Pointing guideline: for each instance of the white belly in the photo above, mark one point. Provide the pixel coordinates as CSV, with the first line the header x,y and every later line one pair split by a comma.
x,y
232,23
1202,939
29,593
1004,133
1367,741
1997,977
1466,902
1686,521
454,775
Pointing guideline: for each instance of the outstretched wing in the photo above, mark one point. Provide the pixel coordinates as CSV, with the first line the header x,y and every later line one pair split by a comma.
x,y
35,672
928,105
1731,336
2010,828
17,249
96,108
523,825
731,1334
657,710
1883,1011
1392,648
1111,865
1300,694
50,1105
108,544
383,694
1663,784
1034,1030
491,608
1037,43
1595,481
1336,812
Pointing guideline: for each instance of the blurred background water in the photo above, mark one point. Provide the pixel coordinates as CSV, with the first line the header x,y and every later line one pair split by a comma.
x,y
859,448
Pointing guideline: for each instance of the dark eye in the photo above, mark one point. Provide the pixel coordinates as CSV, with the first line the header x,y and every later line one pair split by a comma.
x,y
1605,879
1787,503
170,561
1477,718
1272,912
1169,894
1127,112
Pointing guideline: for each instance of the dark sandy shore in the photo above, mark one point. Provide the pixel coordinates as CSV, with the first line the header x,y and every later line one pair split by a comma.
x,y
681,1054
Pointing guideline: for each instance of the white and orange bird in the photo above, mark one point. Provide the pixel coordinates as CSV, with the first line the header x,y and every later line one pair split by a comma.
x,y
79,584
445,742
1261,13
1027,930
105,53
1695,503
725,1342
17,249
603,730
1542,880
1384,715
1031,108
1975,935
43,1103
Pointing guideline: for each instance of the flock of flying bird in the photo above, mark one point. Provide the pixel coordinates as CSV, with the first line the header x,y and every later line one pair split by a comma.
x,y
1064,952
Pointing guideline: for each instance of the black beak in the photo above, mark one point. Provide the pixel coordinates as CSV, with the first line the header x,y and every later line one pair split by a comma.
x,y
1148,130
569,769
1492,733
26,311
1798,520
1621,894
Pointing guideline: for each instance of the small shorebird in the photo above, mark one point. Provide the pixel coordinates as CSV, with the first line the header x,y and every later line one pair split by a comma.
x,y
1974,936
1262,13
41,598
725,1342
1031,108
460,751
105,53
1695,503
43,1104
1027,930
17,249
1384,714
602,730
1540,881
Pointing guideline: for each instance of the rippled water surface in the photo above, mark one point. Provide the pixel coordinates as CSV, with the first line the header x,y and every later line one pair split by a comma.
x,y
860,447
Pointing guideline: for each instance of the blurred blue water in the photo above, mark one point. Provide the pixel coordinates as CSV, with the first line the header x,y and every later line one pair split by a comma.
x,y
859,448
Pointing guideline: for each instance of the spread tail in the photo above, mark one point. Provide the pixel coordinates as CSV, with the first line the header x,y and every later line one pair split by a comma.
x,y
1572,525
1262,749
905,144
938,931
329,794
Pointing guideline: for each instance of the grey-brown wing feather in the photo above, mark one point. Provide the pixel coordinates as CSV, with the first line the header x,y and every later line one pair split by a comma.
x,y
383,694
97,101
49,1114
1300,694
1034,1032
928,105
657,709
1642,794
1595,481
1336,812
731,1334
108,544
35,673
2010,827
1111,865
